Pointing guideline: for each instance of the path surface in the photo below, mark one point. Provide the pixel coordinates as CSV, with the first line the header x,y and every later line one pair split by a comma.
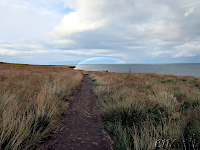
x,y
81,128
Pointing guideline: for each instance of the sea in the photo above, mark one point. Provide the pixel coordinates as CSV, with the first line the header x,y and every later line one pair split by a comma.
x,y
182,69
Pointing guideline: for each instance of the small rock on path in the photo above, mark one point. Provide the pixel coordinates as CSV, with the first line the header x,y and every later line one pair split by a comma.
x,y
81,128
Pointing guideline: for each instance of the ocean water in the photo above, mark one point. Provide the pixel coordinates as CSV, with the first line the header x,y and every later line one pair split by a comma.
x,y
183,69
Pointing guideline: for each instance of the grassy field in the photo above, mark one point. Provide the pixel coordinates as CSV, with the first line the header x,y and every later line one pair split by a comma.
x,y
149,111
32,101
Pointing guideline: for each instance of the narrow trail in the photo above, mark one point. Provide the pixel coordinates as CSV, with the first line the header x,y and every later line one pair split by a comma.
x,y
81,128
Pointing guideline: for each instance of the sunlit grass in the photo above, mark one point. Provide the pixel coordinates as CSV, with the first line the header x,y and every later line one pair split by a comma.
x,y
150,111
32,101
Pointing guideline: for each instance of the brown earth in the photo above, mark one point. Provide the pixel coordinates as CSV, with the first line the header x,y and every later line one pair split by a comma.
x,y
81,128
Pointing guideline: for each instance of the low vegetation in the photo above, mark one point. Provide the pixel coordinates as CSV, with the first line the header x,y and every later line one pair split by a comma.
x,y
32,101
149,111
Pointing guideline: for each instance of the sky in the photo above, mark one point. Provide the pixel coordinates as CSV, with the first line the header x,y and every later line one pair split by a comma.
x,y
65,32
101,60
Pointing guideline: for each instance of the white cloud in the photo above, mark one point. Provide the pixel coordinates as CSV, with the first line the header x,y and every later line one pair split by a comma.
x,y
187,50
31,53
134,31
192,3
189,11
191,7
28,19
73,23
124,27
105,22
8,52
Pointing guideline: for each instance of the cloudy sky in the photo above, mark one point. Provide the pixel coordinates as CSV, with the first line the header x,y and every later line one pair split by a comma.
x,y
69,31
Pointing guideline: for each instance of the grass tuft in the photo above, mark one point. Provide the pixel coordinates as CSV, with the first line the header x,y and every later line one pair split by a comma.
x,y
32,101
150,111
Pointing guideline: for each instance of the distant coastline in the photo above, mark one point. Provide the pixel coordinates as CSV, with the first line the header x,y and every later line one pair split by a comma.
x,y
182,69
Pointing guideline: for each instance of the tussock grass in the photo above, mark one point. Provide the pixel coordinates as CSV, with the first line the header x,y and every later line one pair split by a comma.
x,y
150,111
32,101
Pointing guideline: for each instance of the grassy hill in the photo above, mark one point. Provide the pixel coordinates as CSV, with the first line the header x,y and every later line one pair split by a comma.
x,y
149,111
32,101
141,111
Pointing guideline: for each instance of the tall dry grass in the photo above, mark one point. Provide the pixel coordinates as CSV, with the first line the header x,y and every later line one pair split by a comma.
x,y
150,111
32,101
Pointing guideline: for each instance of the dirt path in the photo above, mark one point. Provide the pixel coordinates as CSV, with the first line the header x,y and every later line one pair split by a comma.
x,y
81,128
